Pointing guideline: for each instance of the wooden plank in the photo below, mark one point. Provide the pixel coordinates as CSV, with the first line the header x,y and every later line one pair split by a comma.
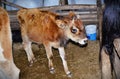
x,y
75,8
12,4
14,12
69,7
77,12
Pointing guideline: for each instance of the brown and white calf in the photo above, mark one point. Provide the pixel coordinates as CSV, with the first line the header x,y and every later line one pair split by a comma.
x,y
8,69
51,30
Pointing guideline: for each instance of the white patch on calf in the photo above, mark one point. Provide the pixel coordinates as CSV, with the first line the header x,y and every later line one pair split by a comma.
x,y
83,41
2,58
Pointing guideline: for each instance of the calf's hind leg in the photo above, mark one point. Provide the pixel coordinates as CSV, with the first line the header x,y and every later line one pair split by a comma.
x,y
49,53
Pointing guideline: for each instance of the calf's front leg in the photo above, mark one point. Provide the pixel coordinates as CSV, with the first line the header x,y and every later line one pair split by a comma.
x,y
62,55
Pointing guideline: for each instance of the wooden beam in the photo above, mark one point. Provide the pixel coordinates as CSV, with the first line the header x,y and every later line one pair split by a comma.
x,y
99,16
12,4
69,7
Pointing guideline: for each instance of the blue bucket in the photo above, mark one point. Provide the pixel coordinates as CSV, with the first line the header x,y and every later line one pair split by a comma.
x,y
91,32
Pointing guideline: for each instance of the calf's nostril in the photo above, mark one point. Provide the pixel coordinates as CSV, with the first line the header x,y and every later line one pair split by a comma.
x,y
86,41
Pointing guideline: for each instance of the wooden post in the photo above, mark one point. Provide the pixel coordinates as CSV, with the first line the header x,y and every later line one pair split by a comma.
x,y
42,2
0,3
99,16
4,5
63,2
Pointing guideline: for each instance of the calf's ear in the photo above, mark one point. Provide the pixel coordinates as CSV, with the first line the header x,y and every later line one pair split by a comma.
x,y
72,15
60,21
60,24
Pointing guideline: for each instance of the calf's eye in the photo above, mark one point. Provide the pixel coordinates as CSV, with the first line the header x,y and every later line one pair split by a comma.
x,y
74,30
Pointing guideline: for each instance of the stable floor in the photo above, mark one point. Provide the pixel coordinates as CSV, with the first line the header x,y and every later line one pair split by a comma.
x,y
82,62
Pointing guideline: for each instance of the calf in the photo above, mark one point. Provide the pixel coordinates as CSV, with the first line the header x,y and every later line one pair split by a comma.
x,y
51,30
8,69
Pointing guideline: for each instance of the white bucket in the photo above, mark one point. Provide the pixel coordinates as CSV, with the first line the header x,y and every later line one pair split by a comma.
x,y
91,32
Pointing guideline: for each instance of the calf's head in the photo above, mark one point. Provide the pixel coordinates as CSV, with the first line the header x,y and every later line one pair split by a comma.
x,y
73,28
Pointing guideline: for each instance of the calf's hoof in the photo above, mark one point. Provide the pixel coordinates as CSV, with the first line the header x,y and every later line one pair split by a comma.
x,y
32,61
52,70
69,74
